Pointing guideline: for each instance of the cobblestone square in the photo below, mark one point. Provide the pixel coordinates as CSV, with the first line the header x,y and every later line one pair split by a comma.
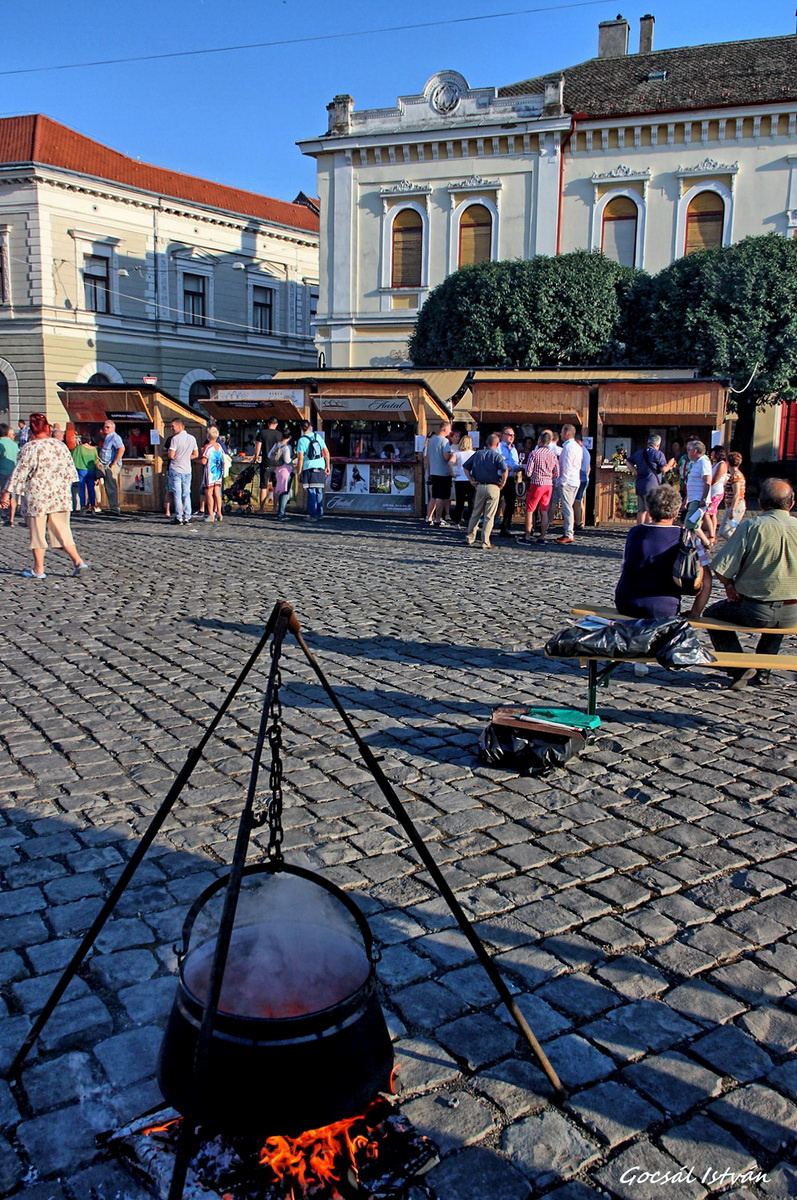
x,y
639,902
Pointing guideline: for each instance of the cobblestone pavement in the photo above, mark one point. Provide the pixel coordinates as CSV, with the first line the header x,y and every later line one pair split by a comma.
x,y
640,901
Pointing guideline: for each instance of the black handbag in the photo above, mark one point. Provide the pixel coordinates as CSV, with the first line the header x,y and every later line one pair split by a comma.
x,y
687,570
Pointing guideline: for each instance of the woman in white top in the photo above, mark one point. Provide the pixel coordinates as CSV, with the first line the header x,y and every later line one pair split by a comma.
x,y
463,488
719,471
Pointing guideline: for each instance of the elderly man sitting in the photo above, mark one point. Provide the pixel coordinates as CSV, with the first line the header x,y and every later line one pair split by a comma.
x,y
758,567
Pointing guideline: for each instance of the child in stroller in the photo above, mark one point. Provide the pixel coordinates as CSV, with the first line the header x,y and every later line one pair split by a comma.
x,y
238,494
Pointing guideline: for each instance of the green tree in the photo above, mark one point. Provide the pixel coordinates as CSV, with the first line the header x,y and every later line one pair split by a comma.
x,y
731,312
535,313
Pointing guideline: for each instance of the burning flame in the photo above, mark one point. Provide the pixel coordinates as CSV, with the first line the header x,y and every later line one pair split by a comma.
x,y
161,1128
317,1155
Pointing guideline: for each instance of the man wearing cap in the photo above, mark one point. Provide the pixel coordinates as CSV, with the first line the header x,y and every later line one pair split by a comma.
x,y
758,568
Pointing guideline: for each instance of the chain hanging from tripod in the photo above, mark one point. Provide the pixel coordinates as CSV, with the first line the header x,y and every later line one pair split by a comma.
x,y
273,813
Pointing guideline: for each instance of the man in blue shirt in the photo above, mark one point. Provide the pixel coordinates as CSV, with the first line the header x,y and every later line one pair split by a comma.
x,y
312,467
511,458
110,456
488,472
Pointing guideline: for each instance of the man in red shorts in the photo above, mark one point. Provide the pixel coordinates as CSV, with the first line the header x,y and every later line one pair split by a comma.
x,y
542,470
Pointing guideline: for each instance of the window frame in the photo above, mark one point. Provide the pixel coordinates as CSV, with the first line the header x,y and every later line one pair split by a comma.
x,y
456,227
641,220
187,263
389,214
703,185
605,217
270,307
106,280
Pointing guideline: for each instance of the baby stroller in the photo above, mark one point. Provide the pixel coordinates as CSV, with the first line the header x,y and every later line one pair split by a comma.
x,y
237,493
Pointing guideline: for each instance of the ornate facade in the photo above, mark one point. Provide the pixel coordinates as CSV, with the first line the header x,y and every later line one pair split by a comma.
x,y
645,156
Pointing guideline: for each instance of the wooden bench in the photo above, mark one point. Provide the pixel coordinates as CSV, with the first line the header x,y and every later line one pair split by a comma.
x,y
724,661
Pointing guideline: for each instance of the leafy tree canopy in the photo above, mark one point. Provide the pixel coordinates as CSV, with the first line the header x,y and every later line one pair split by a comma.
x,y
535,313
730,311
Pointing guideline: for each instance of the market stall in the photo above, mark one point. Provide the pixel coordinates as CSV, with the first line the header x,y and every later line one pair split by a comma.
x,y
375,426
614,410
629,411
143,416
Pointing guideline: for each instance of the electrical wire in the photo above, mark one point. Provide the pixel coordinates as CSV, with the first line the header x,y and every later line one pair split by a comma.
x,y
319,37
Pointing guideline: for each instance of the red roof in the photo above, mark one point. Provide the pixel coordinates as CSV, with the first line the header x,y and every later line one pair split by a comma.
x,y
37,139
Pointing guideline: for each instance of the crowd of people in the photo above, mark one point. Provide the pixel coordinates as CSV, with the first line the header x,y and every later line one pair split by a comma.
x,y
488,483
54,473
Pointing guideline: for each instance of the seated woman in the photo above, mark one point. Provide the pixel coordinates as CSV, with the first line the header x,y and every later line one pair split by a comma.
x,y
645,587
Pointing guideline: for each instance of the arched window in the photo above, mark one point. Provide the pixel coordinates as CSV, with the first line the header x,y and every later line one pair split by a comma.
x,y
618,240
704,222
475,235
407,249
98,377
4,398
199,391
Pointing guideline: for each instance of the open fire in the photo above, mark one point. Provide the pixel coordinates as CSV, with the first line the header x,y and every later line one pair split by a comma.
x,y
374,1155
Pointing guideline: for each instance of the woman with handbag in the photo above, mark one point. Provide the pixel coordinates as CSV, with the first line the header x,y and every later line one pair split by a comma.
x,y
280,457
646,587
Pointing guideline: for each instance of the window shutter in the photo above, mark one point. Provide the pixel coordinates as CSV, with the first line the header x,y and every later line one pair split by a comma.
x,y
407,249
704,222
475,235
619,231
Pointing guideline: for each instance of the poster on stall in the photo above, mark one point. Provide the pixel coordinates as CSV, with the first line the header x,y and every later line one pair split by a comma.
x,y
137,479
371,487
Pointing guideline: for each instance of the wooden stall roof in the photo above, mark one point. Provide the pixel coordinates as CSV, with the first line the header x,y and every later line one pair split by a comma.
x,y
588,374
92,401
633,403
442,386
498,396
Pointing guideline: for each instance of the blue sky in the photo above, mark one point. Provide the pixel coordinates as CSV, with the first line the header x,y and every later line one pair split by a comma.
x,y
235,117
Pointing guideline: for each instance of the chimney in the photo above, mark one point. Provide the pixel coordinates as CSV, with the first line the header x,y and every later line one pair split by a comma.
x,y
340,114
613,38
553,104
646,24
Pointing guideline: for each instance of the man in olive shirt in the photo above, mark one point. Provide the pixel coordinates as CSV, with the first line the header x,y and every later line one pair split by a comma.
x,y
758,568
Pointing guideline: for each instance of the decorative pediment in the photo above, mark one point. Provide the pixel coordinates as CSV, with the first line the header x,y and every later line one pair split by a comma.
x,y
621,172
709,166
475,183
406,188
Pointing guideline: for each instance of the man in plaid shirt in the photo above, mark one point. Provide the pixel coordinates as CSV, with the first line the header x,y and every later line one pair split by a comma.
x,y
542,469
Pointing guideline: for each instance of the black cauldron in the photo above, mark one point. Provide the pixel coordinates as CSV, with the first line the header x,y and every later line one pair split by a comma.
x,y
299,1039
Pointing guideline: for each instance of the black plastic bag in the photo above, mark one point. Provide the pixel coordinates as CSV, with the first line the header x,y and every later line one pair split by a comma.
x,y
687,572
530,753
672,642
611,639
682,649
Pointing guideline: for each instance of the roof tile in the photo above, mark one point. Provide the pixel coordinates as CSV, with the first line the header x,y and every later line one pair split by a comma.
x,y
757,71
37,139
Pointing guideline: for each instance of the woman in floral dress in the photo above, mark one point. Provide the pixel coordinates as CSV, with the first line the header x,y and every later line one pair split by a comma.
x,y
44,474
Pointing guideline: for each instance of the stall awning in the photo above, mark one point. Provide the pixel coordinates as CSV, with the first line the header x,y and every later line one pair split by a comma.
x,y
252,410
94,406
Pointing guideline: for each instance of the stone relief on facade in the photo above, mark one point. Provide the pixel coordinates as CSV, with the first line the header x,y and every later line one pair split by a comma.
x,y
709,166
405,187
445,90
620,172
475,183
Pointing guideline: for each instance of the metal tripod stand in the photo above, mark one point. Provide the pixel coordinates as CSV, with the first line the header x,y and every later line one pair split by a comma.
x,y
282,621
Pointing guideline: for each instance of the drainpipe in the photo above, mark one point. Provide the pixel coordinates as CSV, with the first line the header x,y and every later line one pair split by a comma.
x,y
576,117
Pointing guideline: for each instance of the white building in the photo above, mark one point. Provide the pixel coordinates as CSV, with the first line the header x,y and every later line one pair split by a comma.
x,y
645,156
112,269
